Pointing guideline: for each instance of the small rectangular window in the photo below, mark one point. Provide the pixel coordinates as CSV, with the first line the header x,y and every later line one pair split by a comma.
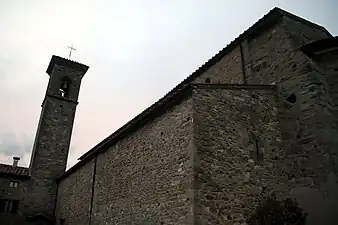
x,y
8,206
13,184
259,151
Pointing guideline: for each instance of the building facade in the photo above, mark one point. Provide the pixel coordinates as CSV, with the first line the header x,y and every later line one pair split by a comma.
x,y
259,117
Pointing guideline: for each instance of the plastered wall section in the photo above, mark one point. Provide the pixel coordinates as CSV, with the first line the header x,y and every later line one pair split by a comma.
x,y
74,196
231,126
145,177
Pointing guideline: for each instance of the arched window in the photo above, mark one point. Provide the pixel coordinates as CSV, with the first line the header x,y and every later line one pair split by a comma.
x,y
64,87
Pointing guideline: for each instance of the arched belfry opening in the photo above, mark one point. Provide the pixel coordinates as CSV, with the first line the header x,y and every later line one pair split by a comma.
x,y
64,87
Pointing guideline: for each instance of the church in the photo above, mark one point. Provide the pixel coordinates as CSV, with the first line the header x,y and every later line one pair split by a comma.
x,y
261,116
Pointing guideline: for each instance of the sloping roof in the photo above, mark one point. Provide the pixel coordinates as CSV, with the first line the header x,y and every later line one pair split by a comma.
x,y
315,48
10,170
261,25
66,62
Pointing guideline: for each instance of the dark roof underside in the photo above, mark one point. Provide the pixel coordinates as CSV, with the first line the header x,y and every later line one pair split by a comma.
x,y
316,47
261,25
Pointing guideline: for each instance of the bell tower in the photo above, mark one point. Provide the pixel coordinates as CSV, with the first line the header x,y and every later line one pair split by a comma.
x,y
52,140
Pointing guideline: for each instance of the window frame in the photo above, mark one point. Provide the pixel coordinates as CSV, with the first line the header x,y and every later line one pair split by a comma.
x,y
9,206
13,184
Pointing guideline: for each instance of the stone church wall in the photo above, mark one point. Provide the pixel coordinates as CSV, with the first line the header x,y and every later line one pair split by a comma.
x,y
302,34
145,176
227,70
264,55
74,196
238,150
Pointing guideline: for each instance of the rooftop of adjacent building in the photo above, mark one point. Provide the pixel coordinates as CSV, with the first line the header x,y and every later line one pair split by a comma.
x,y
14,169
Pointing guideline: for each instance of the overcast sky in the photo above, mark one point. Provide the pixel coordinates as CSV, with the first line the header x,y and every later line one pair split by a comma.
x,y
137,51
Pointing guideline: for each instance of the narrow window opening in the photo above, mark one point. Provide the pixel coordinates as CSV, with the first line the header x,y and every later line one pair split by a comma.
x,y
13,184
292,98
8,206
207,80
259,151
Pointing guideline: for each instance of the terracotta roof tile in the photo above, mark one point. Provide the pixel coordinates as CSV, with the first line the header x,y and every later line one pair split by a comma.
x,y
11,170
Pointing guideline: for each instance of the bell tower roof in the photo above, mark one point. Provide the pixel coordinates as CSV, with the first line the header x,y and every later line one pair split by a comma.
x,y
67,63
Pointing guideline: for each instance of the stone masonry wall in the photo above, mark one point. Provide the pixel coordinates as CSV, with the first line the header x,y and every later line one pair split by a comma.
x,y
74,196
238,151
306,117
328,65
311,149
264,55
319,140
50,156
145,177
228,70
302,34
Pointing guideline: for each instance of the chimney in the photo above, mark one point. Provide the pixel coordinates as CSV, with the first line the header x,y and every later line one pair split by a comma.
x,y
15,161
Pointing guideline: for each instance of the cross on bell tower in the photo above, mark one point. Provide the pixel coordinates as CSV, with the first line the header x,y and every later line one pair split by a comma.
x,y
70,52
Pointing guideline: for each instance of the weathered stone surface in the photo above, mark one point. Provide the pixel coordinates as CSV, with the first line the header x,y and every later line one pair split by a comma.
x,y
230,127
146,176
228,70
74,198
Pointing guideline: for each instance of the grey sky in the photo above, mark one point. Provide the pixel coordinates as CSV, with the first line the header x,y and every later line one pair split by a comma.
x,y
137,51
